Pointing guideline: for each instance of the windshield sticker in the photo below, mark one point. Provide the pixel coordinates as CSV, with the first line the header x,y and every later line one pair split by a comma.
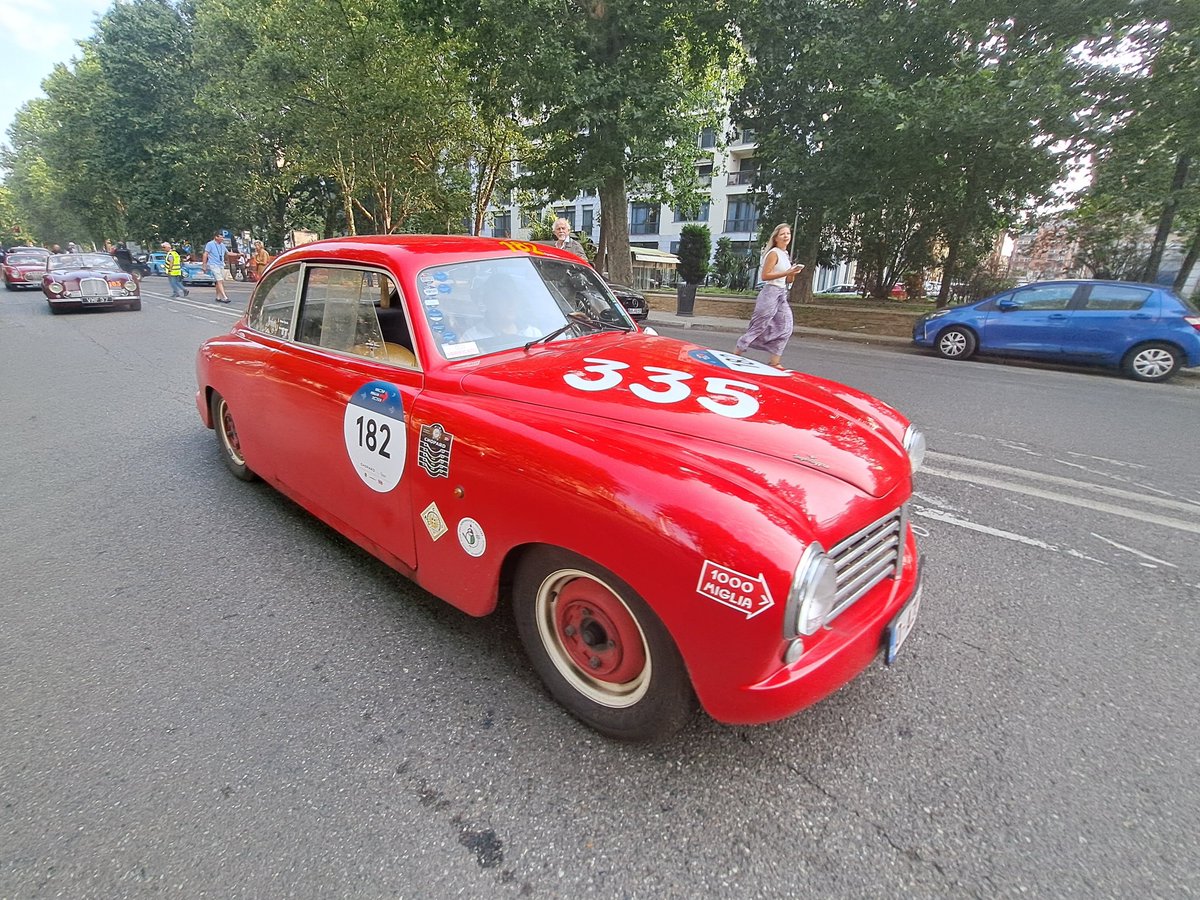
x,y
741,364
433,450
458,351
425,278
434,523
471,537
440,276
373,429
748,595
430,290
444,288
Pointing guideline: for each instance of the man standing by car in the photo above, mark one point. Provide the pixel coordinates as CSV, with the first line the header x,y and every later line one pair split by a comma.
x,y
174,265
214,261
563,239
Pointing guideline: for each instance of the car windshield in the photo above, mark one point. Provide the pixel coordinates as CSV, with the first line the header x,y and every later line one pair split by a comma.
x,y
81,261
489,305
25,259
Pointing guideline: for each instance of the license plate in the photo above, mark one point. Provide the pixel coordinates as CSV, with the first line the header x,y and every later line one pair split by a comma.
x,y
96,299
902,626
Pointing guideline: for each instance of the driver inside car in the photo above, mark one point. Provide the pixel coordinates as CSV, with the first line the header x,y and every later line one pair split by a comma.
x,y
500,301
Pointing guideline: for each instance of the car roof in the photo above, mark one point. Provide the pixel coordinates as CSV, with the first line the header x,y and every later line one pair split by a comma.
x,y
409,252
1078,281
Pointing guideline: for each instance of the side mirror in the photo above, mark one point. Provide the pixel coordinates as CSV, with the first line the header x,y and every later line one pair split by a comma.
x,y
1006,304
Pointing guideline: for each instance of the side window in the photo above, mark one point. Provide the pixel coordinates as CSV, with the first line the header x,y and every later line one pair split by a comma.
x,y
1049,296
346,309
274,302
1111,296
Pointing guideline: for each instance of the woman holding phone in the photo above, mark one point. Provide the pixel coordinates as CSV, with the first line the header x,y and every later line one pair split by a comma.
x,y
771,324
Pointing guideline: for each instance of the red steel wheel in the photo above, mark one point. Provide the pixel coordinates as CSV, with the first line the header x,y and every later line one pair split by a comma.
x,y
600,649
227,437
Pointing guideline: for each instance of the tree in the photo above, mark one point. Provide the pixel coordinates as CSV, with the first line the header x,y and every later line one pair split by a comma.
x,y
613,94
695,248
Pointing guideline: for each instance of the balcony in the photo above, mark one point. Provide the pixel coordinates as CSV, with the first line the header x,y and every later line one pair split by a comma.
x,y
643,228
742,225
736,178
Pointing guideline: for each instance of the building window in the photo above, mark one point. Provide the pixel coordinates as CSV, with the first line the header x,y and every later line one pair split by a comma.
x,y
568,213
708,138
699,214
742,216
643,218
674,246
588,213
704,174
502,225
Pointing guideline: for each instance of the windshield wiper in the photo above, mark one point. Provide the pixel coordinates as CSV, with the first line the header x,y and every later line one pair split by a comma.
x,y
578,318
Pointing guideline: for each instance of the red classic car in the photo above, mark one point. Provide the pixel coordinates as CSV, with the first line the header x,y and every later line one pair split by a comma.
x,y
88,281
24,269
667,522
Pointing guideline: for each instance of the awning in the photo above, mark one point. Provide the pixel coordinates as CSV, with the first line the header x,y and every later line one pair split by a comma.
x,y
646,254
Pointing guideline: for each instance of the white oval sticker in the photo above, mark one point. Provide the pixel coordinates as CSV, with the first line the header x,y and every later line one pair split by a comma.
x,y
373,428
471,537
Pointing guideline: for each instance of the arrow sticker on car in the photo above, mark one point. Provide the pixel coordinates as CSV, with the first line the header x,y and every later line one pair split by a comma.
x,y
745,593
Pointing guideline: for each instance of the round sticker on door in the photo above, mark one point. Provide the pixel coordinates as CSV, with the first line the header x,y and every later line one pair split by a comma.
x,y
471,537
373,428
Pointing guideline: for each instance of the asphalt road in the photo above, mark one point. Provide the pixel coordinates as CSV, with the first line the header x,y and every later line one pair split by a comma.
x,y
206,693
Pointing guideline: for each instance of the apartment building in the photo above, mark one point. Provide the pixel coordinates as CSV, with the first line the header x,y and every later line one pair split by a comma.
x,y
726,174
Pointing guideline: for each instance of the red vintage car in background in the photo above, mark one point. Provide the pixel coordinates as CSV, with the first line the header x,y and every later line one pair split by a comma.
x,y
24,267
78,281
667,522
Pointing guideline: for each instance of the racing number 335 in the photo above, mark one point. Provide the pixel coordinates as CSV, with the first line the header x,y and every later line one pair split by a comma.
x,y
674,387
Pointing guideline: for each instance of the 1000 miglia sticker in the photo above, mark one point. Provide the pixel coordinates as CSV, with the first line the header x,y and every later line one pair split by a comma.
x,y
373,428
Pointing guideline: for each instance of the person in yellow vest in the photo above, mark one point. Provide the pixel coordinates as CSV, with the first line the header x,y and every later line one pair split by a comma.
x,y
174,271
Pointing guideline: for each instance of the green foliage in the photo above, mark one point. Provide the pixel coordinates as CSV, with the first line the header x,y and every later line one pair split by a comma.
x,y
695,247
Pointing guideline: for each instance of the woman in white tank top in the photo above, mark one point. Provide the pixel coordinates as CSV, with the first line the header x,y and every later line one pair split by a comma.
x,y
771,324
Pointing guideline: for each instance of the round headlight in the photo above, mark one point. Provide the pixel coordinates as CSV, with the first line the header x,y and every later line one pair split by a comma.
x,y
55,288
914,446
131,287
813,594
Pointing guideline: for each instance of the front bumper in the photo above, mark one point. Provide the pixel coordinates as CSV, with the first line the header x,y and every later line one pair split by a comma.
x,y
850,644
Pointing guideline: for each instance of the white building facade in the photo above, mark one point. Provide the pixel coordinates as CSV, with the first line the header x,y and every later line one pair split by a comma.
x,y
726,175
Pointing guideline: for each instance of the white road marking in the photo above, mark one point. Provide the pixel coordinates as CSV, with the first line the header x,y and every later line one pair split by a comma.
x,y
938,515
1024,474
1153,559
1085,503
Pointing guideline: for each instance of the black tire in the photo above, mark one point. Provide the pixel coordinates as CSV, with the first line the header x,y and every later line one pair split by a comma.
x,y
135,305
956,343
227,439
635,686
1154,361
54,310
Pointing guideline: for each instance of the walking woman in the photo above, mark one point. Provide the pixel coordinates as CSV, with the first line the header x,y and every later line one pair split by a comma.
x,y
771,324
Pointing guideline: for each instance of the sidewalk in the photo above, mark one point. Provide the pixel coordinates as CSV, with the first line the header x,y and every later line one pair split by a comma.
x,y
736,325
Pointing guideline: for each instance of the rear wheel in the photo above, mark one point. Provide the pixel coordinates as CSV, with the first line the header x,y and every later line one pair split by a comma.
x,y
599,648
227,437
956,343
1151,362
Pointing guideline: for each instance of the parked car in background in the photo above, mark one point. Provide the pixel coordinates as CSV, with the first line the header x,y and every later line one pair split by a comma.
x,y
634,302
23,269
842,290
157,263
195,273
77,281
1146,331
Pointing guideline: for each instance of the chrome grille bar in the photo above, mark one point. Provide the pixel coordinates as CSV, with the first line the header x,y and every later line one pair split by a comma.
x,y
868,557
93,287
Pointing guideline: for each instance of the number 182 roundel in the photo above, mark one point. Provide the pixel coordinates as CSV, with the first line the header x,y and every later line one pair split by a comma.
x,y
671,524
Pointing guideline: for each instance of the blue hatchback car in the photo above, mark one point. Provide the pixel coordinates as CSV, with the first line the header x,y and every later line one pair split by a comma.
x,y
1145,330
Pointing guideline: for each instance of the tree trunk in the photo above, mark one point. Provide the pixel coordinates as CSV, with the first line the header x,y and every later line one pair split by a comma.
x,y
808,248
948,266
614,229
1166,219
1189,263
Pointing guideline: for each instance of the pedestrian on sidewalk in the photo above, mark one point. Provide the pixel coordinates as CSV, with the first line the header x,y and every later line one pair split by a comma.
x,y
174,265
771,324
563,239
214,261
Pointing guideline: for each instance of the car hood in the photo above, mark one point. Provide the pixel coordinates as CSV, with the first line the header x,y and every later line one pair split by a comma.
x,y
793,417
113,274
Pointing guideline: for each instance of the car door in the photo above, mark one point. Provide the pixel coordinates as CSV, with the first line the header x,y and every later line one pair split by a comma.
x,y
1108,320
345,396
1030,321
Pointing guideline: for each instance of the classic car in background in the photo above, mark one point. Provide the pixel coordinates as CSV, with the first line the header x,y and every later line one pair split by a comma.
x,y
195,273
667,523
78,281
156,262
1145,330
634,301
23,269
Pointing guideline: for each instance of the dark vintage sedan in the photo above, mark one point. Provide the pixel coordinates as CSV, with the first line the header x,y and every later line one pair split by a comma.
x,y
1145,330
76,281
634,302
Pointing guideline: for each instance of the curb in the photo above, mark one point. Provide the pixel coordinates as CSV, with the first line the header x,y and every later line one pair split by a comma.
x,y
737,326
